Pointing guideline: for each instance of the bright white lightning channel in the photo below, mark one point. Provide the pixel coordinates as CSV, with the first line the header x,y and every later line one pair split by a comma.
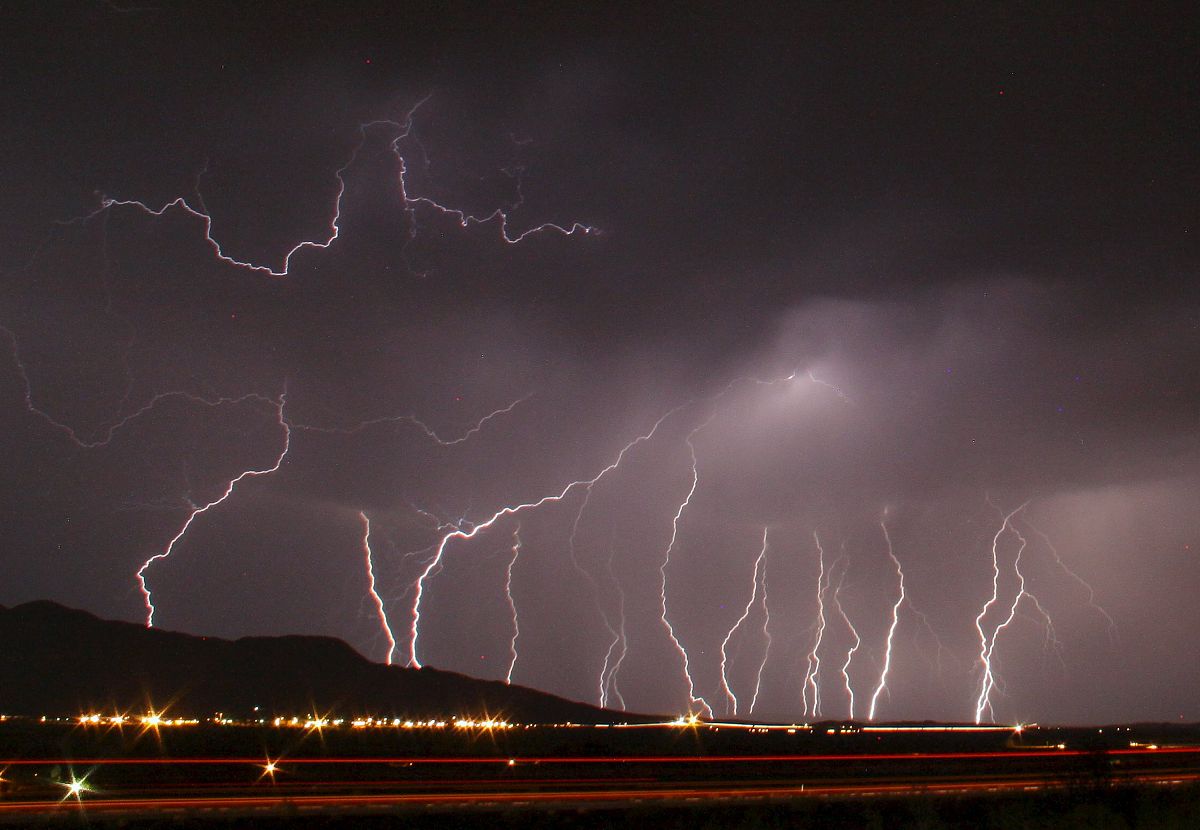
x,y
687,673
512,605
887,657
837,604
812,676
989,681
731,701
375,597
765,630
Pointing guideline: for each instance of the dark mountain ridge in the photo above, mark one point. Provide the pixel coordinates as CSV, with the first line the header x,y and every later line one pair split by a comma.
x,y
59,661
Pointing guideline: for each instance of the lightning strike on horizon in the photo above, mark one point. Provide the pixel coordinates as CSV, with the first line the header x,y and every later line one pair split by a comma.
x,y
595,590
512,605
375,597
609,686
811,677
687,674
414,629
196,511
403,131
730,698
887,657
765,630
837,603
989,680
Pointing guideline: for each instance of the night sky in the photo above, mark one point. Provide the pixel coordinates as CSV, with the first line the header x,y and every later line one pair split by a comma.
x,y
851,277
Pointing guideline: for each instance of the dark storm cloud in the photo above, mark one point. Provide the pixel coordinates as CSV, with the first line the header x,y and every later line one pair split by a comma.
x,y
993,293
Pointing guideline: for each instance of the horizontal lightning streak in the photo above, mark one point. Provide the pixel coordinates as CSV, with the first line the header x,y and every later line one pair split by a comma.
x,y
412,419
403,130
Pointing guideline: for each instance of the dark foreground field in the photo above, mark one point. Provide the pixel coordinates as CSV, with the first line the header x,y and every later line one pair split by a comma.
x,y
671,775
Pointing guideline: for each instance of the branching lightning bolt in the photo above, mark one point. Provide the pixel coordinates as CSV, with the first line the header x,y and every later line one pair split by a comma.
x,y
812,676
197,511
1091,592
887,657
375,597
731,701
609,686
837,604
414,630
989,680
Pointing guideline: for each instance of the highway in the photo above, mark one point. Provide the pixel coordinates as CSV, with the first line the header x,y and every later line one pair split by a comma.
x,y
140,787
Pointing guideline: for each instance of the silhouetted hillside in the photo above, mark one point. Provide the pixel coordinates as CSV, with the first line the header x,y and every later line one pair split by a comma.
x,y
59,661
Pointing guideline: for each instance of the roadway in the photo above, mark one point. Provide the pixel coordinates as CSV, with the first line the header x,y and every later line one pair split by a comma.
x,y
200,787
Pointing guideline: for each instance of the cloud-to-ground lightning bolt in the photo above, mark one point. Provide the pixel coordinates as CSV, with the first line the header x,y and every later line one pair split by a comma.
x,y
512,605
812,676
417,422
375,597
887,656
403,130
198,510
608,686
986,682
731,701
510,510
1091,592
662,570
837,604
989,680
595,590
766,630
